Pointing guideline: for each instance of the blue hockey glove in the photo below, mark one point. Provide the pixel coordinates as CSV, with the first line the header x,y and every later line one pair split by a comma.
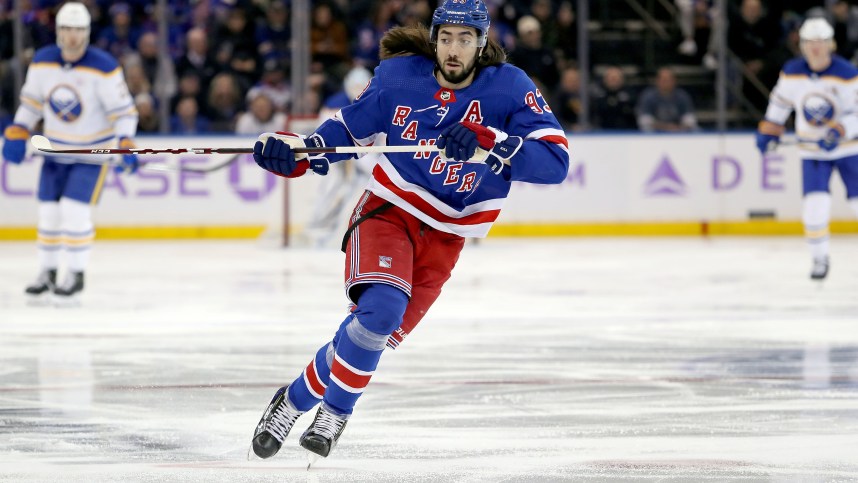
x,y
767,142
832,138
130,164
458,142
274,152
768,136
15,143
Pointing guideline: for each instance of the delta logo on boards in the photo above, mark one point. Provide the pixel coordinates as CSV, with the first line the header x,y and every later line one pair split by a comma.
x,y
726,173
665,181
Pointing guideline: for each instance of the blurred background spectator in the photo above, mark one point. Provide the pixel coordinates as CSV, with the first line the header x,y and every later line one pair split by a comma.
x,y
148,122
532,56
664,107
261,116
567,100
613,102
187,119
223,103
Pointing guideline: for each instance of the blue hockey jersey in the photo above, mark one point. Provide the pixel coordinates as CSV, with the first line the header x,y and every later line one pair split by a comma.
x,y
404,105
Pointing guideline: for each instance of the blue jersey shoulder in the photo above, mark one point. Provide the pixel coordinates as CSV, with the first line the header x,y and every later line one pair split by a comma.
x,y
842,68
505,78
98,59
839,67
94,58
410,71
48,54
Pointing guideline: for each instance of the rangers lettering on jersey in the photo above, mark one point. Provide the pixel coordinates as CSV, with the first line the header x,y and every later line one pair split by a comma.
x,y
405,105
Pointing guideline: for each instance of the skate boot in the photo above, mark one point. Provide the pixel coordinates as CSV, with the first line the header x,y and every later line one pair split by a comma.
x,y
72,285
275,424
820,268
321,437
45,283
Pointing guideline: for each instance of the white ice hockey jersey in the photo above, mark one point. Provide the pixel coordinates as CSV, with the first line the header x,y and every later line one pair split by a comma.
x,y
820,100
84,103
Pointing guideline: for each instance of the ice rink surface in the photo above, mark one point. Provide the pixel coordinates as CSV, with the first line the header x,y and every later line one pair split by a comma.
x,y
590,359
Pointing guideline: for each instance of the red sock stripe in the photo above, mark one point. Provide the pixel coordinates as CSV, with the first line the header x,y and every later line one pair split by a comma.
x,y
355,379
316,385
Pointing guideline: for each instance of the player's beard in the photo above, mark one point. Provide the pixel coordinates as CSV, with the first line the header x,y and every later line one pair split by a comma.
x,y
457,78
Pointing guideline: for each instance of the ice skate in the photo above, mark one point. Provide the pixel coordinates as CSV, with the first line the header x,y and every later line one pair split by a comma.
x,y
820,268
275,424
321,437
44,284
67,293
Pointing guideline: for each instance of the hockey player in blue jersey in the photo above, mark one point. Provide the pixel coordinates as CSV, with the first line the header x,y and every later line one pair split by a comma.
x,y
447,86
822,89
80,94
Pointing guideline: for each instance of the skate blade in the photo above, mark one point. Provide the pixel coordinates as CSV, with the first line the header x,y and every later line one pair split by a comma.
x,y
42,300
311,459
62,301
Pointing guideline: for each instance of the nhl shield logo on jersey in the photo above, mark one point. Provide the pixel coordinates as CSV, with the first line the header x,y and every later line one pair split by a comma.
x,y
65,103
818,110
445,95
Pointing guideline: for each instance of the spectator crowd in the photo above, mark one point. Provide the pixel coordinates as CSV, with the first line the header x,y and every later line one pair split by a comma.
x,y
229,60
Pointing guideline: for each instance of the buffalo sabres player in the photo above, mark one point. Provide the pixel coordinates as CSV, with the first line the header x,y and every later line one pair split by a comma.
x,y
822,89
449,86
80,93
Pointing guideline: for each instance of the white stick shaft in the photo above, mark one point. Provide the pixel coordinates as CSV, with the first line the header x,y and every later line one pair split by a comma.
x,y
44,144
428,148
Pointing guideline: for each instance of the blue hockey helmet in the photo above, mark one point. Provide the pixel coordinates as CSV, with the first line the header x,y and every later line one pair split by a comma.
x,y
469,13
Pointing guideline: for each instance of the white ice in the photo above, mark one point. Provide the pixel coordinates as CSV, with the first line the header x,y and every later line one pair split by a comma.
x,y
603,359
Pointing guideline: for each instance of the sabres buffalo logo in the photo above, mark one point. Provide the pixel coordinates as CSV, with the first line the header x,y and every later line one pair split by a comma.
x,y
818,110
65,103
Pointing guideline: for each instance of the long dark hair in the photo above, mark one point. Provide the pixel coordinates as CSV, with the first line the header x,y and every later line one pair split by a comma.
x,y
401,41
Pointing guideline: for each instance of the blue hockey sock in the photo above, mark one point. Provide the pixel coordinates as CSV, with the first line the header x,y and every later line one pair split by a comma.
x,y
308,389
360,345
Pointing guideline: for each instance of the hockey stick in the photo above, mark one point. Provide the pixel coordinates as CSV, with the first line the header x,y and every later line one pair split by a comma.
x,y
44,144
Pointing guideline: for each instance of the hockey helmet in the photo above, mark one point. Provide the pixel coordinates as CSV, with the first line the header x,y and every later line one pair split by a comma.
x,y
73,14
816,28
468,13
356,81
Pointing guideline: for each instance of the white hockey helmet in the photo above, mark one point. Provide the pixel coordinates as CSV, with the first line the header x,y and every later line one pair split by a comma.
x,y
356,80
816,28
73,14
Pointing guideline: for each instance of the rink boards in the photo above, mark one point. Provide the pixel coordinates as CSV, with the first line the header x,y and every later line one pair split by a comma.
x,y
617,184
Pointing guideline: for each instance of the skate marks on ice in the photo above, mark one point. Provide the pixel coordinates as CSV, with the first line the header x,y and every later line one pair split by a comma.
x,y
591,360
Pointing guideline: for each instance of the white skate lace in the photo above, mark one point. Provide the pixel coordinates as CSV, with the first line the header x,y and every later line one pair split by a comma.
x,y
327,424
43,279
282,421
67,284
